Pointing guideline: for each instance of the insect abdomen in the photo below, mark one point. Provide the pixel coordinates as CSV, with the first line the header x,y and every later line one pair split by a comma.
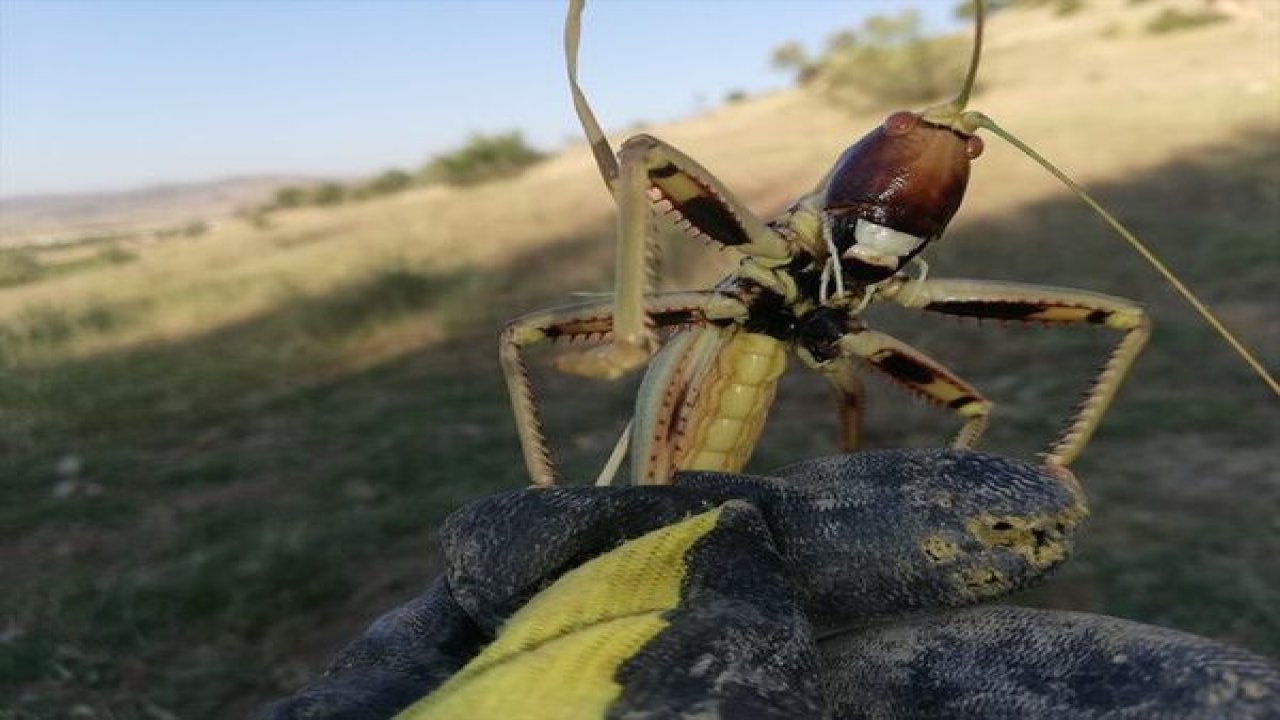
x,y
703,402
725,425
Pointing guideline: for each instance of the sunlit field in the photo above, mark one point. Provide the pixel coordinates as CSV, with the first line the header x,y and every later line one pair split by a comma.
x,y
224,456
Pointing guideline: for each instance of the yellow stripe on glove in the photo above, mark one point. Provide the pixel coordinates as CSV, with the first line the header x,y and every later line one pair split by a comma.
x,y
558,656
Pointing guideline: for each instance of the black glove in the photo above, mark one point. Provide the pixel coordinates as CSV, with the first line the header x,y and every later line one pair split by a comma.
x,y
825,591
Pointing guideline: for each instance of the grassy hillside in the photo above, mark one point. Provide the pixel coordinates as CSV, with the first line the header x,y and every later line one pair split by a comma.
x,y
224,457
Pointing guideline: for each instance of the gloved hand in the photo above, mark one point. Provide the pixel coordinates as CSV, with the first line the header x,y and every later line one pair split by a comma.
x,y
827,590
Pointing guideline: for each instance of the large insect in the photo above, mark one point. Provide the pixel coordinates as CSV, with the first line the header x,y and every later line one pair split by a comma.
x,y
802,284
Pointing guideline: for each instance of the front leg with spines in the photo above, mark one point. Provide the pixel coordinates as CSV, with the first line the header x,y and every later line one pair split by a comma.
x,y
656,177
1050,305
588,321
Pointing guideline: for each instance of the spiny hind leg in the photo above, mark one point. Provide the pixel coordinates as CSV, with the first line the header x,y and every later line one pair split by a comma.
x,y
592,320
1058,306
923,376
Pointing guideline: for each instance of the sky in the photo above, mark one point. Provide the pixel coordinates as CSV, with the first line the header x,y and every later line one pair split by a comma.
x,y
116,94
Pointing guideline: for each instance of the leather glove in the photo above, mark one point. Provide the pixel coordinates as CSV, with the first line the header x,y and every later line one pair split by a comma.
x,y
832,588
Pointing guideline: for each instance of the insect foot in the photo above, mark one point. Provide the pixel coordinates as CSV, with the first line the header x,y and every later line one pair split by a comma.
x,y
608,362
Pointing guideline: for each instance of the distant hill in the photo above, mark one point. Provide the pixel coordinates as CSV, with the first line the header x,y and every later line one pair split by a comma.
x,y
27,219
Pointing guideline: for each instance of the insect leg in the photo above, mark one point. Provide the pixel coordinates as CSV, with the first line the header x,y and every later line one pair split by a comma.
x,y
922,375
656,177
1032,303
587,321
694,183
841,374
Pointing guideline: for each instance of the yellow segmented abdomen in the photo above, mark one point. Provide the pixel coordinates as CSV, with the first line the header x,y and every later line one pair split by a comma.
x,y
721,432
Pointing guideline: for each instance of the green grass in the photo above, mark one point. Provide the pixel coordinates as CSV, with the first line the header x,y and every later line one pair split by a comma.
x,y
20,266
1176,20
236,487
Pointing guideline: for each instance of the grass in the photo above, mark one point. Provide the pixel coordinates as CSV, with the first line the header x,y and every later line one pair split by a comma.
x,y
19,266
224,458
1176,20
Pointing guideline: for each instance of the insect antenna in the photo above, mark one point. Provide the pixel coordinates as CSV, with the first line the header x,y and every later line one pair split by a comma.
x,y
986,122
600,148
954,115
971,75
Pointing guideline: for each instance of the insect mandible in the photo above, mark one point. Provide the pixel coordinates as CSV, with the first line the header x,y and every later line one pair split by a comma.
x,y
803,282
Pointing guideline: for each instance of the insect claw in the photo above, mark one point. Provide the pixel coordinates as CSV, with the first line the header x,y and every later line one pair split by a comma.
x,y
1066,478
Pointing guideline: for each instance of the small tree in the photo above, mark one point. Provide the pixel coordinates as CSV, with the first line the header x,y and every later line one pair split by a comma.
x,y
890,61
791,58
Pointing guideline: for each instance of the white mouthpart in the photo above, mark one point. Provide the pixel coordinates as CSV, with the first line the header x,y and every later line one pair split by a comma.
x,y
873,239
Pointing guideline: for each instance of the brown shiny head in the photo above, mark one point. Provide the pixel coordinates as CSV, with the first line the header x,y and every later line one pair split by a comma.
x,y
893,192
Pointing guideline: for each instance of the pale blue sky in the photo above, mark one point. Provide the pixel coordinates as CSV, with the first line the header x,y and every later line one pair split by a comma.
x,y
113,94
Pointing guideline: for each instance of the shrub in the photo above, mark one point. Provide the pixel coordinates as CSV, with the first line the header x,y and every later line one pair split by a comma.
x,y
257,217
391,181
19,266
792,58
1063,8
115,255
289,197
327,194
482,158
1175,20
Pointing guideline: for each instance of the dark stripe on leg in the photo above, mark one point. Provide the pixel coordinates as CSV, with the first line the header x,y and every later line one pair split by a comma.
x,y
996,310
712,218
904,367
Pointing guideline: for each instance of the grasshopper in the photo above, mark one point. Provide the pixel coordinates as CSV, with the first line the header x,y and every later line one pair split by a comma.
x,y
804,279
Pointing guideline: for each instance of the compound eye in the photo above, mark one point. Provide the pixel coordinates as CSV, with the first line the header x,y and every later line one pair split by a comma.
x,y
901,122
973,146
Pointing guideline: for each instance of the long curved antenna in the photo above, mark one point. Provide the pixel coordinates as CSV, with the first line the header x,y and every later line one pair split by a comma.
x,y
985,122
952,114
971,76
605,158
